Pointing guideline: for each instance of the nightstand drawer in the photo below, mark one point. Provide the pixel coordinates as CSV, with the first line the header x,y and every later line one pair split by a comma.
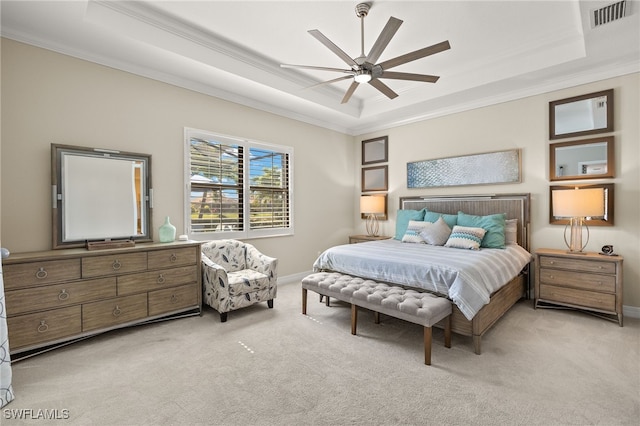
x,y
580,265
584,281
572,296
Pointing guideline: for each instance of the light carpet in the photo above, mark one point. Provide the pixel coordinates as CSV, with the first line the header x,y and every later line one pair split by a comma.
x,y
279,367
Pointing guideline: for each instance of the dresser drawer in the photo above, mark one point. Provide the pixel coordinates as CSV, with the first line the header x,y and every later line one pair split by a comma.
x,y
154,280
21,275
580,265
59,295
42,327
113,264
113,312
172,257
575,297
173,299
584,281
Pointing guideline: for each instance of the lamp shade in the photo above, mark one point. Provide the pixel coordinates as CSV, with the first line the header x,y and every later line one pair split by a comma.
x,y
586,202
371,204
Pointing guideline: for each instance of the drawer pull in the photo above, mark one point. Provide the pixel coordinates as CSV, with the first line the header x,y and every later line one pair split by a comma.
x,y
117,311
63,295
43,327
41,274
551,262
173,257
160,279
174,298
116,265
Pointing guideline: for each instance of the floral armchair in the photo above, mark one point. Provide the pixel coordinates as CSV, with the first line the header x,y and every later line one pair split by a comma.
x,y
235,275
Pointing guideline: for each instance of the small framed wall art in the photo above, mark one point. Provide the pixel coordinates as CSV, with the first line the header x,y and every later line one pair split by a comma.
x,y
375,179
375,150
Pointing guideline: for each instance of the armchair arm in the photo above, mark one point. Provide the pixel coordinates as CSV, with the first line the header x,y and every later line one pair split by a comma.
x,y
262,263
215,283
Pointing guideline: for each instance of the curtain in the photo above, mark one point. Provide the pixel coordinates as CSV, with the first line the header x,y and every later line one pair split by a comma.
x,y
6,392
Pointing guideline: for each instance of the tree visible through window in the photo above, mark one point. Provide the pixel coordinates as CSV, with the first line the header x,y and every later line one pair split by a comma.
x,y
239,188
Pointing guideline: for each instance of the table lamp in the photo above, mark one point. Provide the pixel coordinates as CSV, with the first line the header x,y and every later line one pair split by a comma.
x,y
372,205
576,205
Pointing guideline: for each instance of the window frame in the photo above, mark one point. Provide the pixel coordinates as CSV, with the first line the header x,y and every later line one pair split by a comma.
x,y
247,145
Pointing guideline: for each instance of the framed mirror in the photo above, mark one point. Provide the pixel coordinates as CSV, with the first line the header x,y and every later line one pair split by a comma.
x,y
583,159
606,220
99,195
375,150
581,115
374,179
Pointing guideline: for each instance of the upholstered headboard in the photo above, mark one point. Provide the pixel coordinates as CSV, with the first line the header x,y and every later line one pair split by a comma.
x,y
515,206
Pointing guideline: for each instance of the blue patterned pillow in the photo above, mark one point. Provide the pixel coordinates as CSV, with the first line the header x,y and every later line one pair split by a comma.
x,y
465,237
414,229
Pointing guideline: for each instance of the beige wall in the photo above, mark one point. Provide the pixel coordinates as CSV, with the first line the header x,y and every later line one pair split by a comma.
x,y
51,98
524,124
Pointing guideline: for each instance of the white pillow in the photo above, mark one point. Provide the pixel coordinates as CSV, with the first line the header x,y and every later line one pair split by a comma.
x,y
437,233
511,231
412,234
465,237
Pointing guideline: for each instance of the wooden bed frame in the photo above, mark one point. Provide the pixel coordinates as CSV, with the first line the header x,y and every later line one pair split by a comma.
x,y
516,206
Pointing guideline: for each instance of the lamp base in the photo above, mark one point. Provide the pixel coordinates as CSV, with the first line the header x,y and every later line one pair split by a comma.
x,y
372,225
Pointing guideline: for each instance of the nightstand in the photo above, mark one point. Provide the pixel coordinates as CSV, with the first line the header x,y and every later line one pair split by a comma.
x,y
589,282
353,239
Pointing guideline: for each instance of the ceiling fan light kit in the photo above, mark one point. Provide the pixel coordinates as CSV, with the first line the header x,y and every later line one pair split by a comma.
x,y
364,68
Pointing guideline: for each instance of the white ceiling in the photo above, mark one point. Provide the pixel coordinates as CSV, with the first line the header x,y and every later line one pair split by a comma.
x,y
500,50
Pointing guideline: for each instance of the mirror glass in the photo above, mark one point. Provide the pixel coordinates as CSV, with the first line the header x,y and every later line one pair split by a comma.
x,y
583,159
99,195
606,220
581,115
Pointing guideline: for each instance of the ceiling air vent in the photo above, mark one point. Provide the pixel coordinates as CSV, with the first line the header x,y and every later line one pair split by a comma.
x,y
606,14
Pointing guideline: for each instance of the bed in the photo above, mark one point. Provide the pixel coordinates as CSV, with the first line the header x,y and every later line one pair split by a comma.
x,y
482,284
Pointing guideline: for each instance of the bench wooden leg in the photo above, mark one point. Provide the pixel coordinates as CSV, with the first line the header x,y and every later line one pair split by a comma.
x,y
304,301
427,345
447,332
354,318
376,317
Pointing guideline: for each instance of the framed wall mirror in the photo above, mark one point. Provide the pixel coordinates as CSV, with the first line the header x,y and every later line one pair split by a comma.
x,y
581,115
374,179
583,159
606,220
375,150
99,195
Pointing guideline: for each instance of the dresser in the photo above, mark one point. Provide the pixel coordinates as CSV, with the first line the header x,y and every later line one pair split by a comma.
x,y
590,282
54,297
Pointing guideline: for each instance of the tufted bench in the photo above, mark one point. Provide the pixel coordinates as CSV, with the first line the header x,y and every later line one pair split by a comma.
x,y
417,307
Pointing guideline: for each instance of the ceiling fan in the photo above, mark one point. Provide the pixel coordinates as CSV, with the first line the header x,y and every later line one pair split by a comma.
x,y
364,69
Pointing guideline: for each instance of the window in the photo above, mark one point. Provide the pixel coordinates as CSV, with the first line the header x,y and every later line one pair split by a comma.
x,y
237,188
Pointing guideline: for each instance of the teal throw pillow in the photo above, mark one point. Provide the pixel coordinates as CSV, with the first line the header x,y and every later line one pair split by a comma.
x,y
494,224
402,221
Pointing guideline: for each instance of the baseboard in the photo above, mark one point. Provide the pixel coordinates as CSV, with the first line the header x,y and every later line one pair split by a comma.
x,y
631,311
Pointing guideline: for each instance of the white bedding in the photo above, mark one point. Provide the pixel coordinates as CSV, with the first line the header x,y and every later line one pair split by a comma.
x,y
467,277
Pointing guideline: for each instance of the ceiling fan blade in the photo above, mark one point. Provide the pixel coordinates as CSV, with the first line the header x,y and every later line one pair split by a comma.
x,y
311,67
349,92
417,54
330,81
386,90
408,76
335,49
383,40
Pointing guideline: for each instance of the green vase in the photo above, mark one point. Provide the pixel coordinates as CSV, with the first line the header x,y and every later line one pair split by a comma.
x,y
167,232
